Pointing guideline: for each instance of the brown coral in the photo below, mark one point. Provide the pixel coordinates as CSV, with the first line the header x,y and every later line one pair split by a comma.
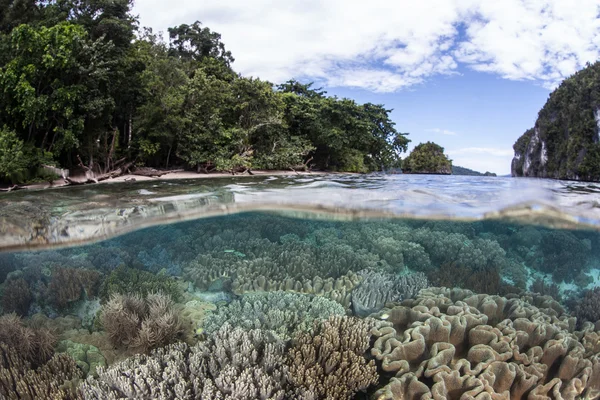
x,y
55,379
481,281
69,284
16,297
140,323
452,343
331,363
587,309
34,345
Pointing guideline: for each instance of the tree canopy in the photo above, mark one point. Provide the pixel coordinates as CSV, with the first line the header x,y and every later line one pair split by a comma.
x,y
427,158
84,87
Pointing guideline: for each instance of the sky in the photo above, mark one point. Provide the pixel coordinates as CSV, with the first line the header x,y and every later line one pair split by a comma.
x,y
470,75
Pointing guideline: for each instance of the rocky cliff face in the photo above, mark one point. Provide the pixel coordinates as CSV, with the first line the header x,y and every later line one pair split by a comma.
x,y
565,142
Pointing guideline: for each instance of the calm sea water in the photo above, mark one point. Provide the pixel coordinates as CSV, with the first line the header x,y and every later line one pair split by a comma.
x,y
363,243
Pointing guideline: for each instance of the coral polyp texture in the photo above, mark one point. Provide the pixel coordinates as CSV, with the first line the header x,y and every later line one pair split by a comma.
x,y
282,312
140,323
451,343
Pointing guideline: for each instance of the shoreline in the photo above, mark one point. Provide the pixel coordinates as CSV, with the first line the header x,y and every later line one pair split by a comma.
x,y
176,175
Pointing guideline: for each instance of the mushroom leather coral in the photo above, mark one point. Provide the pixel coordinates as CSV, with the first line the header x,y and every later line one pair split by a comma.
x,y
451,344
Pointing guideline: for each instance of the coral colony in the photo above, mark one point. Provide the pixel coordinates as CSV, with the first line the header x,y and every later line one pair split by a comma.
x,y
260,306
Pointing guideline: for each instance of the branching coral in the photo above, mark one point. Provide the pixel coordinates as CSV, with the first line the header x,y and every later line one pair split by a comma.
x,y
377,288
55,379
232,365
587,309
330,363
282,312
72,284
237,364
16,297
140,323
447,343
125,280
483,281
34,345
563,255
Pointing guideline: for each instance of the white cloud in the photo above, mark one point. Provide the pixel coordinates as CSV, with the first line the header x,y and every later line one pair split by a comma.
x,y
483,159
387,45
442,131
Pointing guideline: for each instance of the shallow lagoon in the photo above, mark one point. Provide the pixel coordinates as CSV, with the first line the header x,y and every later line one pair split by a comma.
x,y
387,287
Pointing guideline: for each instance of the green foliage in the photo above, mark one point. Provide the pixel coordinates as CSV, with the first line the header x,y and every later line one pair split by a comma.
x,y
456,170
129,281
567,130
427,158
13,161
79,85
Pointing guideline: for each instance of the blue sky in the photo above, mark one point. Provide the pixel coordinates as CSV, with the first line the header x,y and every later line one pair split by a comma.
x,y
475,116
470,75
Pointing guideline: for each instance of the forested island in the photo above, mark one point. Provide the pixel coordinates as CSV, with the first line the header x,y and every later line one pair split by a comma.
x,y
427,158
565,141
85,88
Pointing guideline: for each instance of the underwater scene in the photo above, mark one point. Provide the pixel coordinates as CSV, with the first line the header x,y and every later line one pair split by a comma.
x,y
279,304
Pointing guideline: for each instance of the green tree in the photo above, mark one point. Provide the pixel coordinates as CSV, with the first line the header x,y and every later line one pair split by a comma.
x,y
14,162
427,158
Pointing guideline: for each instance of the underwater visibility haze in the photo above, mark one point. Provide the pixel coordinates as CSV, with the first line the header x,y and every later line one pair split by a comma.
x,y
302,287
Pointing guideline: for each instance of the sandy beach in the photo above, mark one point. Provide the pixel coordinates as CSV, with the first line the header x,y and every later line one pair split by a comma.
x,y
174,175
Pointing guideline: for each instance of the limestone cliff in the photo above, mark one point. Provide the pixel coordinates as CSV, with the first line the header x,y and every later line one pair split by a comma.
x,y
565,142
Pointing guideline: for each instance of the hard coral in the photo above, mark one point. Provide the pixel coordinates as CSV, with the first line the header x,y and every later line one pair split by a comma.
x,y
282,312
377,288
140,323
454,275
16,297
71,284
587,309
55,379
125,280
34,345
330,363
232,364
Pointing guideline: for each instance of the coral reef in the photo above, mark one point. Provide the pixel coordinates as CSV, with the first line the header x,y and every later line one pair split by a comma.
x,y
68,285
238,364
8,263
87,357
35,345
232,365
330,363
481,281
16,297
547,289
587,309
452,343
284,313
55,379
132,321
123,280
563,255
377,288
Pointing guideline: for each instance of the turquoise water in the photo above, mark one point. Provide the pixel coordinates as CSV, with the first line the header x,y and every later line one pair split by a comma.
x,y
384,287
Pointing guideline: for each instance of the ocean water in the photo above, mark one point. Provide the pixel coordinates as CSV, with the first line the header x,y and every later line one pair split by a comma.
x,y
304,287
